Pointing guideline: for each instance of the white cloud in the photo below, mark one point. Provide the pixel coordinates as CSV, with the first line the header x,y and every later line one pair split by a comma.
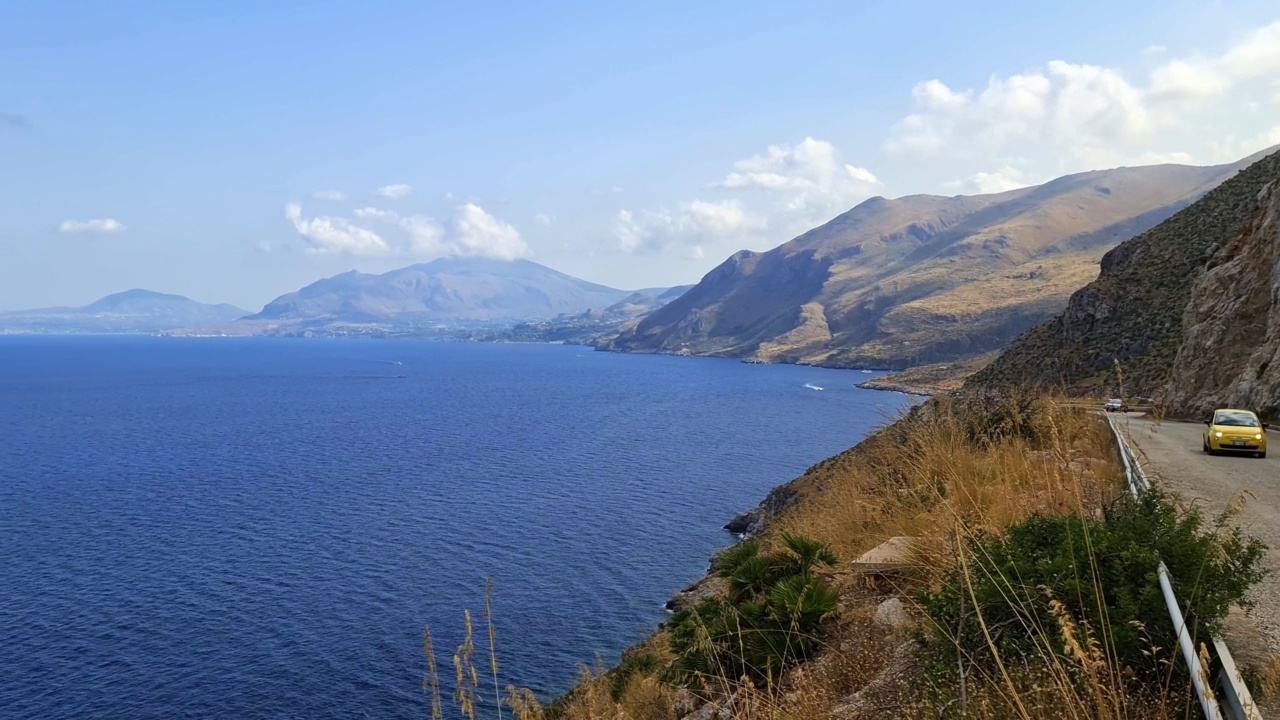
x,y
263,246
473,231
469,232
330,195
368,213
1066,117
1256,55
982,183
765,199
101,226
1161,158
809,173
338,236
691,224
1066,104
543,219
393,192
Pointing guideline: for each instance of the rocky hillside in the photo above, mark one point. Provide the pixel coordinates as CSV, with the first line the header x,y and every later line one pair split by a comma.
x,y
1230,354
1129,322
897,283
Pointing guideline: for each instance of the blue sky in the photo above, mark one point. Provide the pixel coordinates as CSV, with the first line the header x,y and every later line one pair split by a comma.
x,y
234,151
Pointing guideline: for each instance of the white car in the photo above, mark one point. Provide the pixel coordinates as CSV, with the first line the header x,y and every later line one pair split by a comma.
x,y
1115,405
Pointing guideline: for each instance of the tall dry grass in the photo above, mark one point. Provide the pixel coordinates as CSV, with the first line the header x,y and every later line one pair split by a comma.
x,y
939,471
949,471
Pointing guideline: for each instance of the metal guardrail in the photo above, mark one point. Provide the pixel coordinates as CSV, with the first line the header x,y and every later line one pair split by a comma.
x,y
1237,703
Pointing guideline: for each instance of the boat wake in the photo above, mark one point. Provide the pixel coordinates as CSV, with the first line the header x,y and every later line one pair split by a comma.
x,y
812,387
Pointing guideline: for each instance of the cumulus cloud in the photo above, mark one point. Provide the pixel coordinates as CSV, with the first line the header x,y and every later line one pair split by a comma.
x,y
982,183
809,173
1256,55
335,235
393,192
469,232
1066,104
330,195
472,231
98,226
543,219
691,224
763,200
1067,117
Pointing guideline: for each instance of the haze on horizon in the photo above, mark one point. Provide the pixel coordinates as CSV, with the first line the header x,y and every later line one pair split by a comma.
x,y
237,153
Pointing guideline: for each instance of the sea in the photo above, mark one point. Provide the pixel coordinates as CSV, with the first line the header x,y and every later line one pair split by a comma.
x,y
263,528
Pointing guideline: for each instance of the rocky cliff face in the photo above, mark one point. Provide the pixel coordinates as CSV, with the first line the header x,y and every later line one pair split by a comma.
x,y
1230,355
1126,327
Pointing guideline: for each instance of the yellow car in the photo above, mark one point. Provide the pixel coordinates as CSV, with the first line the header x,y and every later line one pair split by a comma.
x,y
1235,431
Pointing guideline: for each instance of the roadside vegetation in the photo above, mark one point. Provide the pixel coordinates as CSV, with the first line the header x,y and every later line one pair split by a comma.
x,y
1024,586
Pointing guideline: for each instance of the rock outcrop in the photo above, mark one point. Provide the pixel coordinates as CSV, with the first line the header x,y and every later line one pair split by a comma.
x,y
1230,355
1122,332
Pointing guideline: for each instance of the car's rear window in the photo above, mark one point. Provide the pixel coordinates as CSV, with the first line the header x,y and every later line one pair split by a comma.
x,y
1236,419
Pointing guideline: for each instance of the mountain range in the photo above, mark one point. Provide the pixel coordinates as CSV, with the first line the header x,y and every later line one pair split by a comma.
x,y
890,284
1187,313
132,311
898,283
473,289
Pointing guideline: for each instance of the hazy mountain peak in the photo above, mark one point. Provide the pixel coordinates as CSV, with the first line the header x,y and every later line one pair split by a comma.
x,y
131,311
446,289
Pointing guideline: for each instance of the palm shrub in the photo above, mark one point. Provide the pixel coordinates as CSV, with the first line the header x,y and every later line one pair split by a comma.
x,y
1093,579
770,619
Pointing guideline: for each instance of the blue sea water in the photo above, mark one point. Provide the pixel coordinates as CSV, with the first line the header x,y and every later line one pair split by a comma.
x,y
254,528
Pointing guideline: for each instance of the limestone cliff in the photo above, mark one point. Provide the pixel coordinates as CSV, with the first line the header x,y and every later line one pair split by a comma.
x,y
1230,355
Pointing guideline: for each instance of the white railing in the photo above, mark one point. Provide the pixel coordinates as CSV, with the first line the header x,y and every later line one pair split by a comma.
x,y
1237,703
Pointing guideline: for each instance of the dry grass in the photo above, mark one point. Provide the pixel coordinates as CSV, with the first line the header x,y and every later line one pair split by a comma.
x,y
936,474
924,476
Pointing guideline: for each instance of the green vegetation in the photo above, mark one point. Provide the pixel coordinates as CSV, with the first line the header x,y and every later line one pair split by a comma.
x,y
770,619
1093,581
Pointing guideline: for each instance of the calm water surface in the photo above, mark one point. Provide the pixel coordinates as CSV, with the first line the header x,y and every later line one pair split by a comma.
x,y
261,528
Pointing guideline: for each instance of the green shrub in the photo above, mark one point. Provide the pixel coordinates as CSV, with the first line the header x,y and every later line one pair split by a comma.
x,y
1099,576
771,618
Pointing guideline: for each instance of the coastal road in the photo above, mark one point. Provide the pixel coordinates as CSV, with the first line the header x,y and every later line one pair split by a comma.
x,y
1171,456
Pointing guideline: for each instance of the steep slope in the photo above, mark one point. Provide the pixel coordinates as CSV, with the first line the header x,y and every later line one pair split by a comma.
x,y
447,289
898,283
1133,313
132,311
1230,354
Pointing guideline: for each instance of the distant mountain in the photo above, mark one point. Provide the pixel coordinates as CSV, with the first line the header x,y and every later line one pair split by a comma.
x,y
132,311
446,290
1186,312
899,283
588,328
